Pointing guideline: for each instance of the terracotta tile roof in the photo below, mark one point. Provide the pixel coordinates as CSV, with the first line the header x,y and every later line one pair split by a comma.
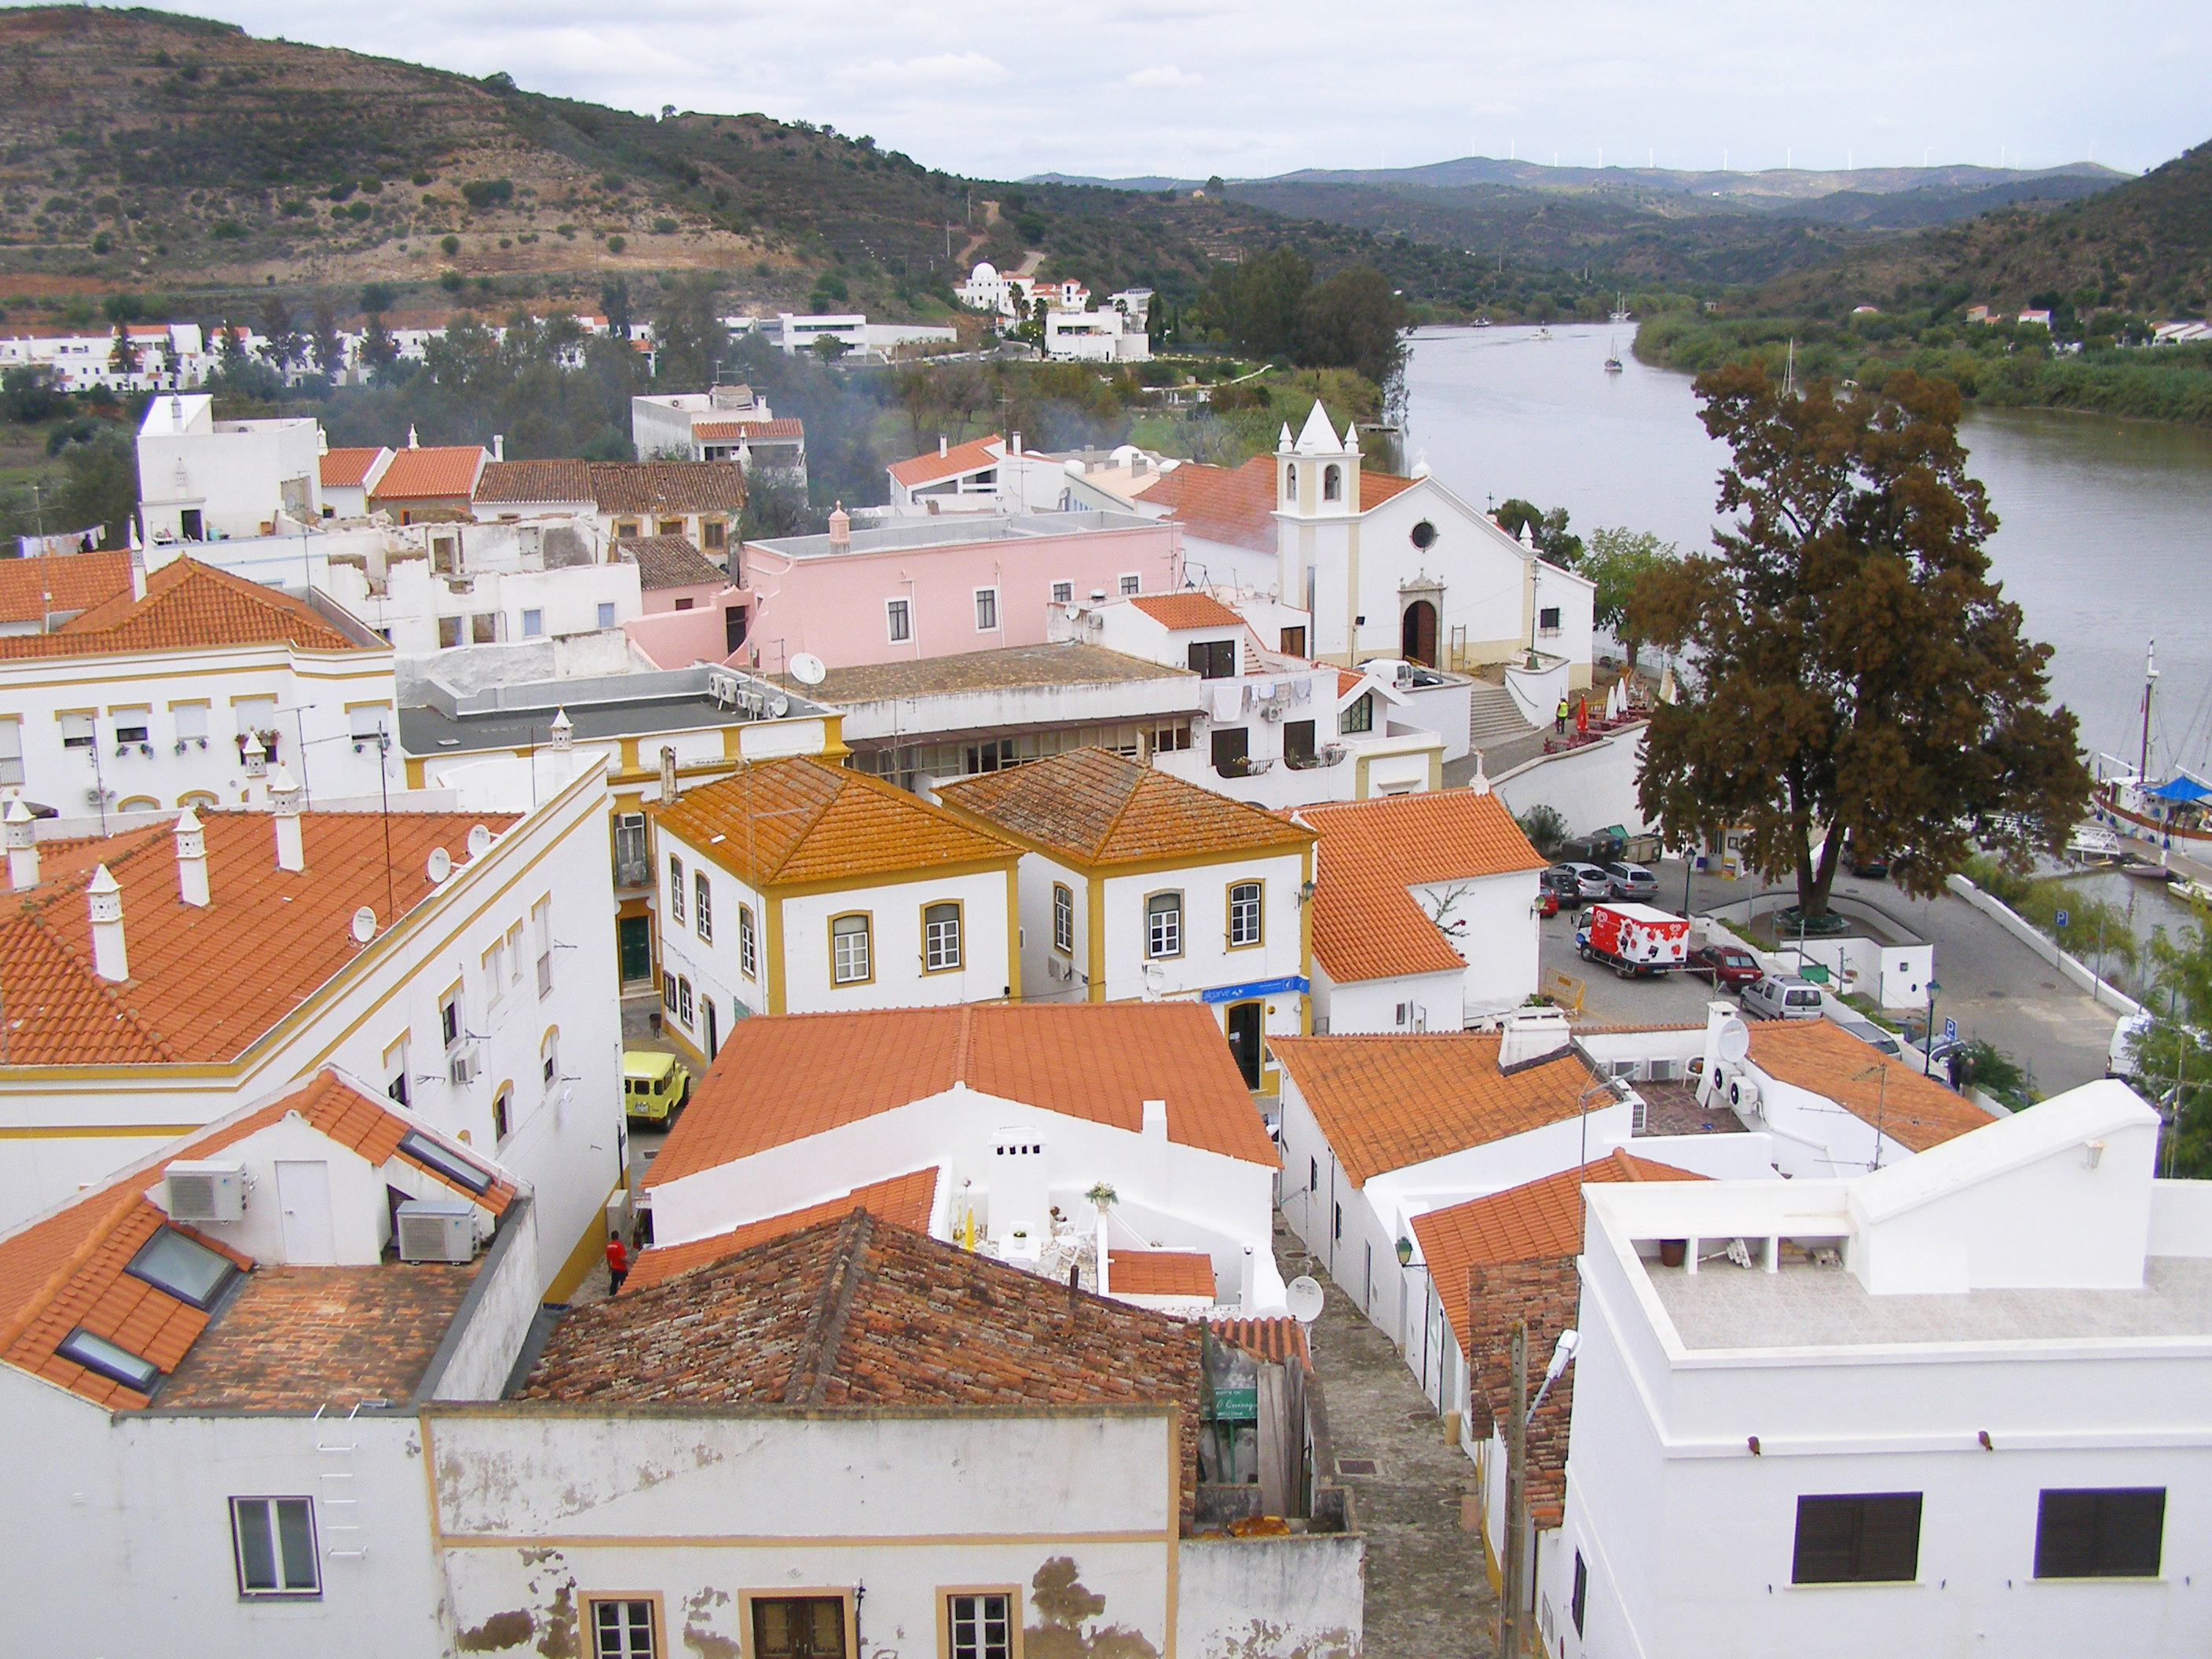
x,y
784,1078
1819,1054
1235,505
1276,1340
668,486
973,456
1187,1273
1536,1221
668,562
1386,1103
1376,488
347,468
1174,610
188,605
30,590
729,431
1366,924
1349,680
1012,666
804,820
904,1201
445,471
66,1268
522,484
1099,808
859,1312
204,984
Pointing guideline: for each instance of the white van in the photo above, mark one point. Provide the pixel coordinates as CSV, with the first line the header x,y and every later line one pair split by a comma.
x,y
1782,996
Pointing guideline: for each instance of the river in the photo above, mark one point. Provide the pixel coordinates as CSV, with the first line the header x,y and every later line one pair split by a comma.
x,y
2104,537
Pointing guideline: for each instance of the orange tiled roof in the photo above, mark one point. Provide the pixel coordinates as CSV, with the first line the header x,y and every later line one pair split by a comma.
x,y
347,468
1097,807
1376,488
66,1269
33,589
1277,1340
726,431
1366,924
1539,1220
1387,1102
1236,505
780,1079
1188,609
188,605
445,472
974,456
522,484
1819,1054
666,562
804,820
204,984
904,1201
668,486
1159,1272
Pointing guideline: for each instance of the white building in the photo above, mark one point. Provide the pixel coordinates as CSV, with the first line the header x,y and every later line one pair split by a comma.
x,y
1096,336
348,476
984,475
1137,885
802,887
164,357
200,479
1950,1402
727,423
699,500
1002,293
852,331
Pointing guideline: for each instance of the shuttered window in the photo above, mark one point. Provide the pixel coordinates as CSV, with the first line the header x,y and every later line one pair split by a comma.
x,y
2113,1533
1861,1539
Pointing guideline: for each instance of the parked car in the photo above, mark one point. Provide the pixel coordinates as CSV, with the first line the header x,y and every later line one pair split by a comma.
x,y
1782,996
1632,881
654,1085
1547,902
1728,966
1873,1036
1591,882
1873,866
1563,887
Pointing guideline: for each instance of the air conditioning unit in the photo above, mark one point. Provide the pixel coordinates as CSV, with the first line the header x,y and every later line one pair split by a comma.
x,y
463,1064
1271,711
437,1229
1663,1071
201,1190
1742,1093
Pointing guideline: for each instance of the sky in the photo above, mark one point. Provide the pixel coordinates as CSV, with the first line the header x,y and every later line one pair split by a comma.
x,y
1191,88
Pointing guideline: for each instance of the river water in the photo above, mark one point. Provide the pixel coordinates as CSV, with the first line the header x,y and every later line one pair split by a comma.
x,y
2104,537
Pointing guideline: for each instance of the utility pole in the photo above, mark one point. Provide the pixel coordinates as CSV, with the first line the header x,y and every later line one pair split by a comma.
x,y
1513,1641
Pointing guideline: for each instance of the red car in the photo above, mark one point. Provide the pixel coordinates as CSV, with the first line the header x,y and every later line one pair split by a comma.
x,y
1729,966
1547,902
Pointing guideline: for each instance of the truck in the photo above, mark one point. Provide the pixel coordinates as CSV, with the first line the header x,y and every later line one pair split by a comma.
x,y
1634,940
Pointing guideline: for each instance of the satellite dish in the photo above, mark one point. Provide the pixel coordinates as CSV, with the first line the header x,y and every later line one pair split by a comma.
x,y
364,925
1074,611
1304,1297
808,669
1734,1041
440,864
479,842
779,707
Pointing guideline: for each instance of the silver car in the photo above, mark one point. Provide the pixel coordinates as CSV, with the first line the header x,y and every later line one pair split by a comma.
x,y
1594,882
1782,996
1631,881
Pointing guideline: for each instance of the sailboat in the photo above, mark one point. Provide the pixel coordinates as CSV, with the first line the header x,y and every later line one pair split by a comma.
x,y
1542,333
1613,357
1619,311
1789,371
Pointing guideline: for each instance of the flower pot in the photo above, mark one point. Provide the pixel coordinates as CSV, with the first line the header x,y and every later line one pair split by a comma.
x,y
1672,1251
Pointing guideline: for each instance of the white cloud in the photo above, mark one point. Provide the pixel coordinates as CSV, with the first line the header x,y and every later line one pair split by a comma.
x,y
1164,74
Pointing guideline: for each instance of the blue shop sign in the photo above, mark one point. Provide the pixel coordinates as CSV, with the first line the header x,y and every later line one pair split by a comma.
x,y
1258,987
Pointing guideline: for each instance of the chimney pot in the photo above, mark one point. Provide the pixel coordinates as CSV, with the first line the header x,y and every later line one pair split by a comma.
x,y
564,729
1156,1120
191,860
943,444
841,527
499,446
22,837
104,898
284,801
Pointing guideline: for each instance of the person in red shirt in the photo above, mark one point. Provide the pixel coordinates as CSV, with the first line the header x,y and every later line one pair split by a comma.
x,y
1582,717
618,1264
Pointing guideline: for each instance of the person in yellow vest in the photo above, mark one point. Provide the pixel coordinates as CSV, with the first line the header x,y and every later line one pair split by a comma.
x,y
1559,716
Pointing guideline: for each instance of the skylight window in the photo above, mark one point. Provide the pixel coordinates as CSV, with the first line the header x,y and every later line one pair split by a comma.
x,y
99,1355
451,1166
186,1268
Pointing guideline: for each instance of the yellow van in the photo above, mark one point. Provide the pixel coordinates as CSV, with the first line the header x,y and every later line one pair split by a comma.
x,y
654,1085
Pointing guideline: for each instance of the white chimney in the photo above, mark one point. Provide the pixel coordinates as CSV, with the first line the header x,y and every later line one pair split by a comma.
x,y
105,895
137,573
943,444
191,860
1015,447
413,442
255,756
499,446
1105,1251
1530,1034
564,729
23,834
1156,1120
284,800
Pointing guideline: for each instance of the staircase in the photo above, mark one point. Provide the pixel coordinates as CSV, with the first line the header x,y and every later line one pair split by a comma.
x,y
1494,718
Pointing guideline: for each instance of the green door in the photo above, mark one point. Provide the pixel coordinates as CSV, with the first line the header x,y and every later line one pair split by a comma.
x,y
633,947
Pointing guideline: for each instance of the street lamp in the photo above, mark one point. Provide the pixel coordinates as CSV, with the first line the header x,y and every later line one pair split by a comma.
x,y
1928,1037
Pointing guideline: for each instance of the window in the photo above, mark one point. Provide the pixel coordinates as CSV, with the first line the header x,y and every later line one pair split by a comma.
x,y
1232,751
623,1627
442,555
1313,1175
494,970
1132,585
533,623
502,1113
993,756
1423,535
748,944
191,719
668,994
1873,1538
449,632
436,1154
1063,917
703,906
78,731
1358,715
514,954
1292,642
1243,915
541,926
631,868
132,725
1214,660
1336,1221
798,1627
606,618
11,750
1580,1600
675,888
671,527
274,1539
2115,1533
104,1359
898,615
1290,482
686,603
1547,620
684,1003
483,627
1170,739
395,1070
713,534
1332,484
1163,925
987,610
625,530
1297,742
184,1267
940,938
849,951
449,1017
365,721
1063,592
979,1625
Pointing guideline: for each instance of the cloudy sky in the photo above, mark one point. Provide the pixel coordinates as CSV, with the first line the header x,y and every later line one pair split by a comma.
x,y
1119,88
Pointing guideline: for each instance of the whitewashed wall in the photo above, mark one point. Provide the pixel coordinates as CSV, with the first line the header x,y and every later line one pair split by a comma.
x,y
1592,787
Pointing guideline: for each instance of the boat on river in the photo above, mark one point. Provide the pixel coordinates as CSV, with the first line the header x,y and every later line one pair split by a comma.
x,y
1543,334
1612,358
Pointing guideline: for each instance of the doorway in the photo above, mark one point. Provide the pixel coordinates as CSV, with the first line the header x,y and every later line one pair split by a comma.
x,y
303,1202
1242,1024
714,1038
1417,634
633,948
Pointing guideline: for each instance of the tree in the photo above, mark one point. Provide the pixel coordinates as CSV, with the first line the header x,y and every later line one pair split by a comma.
x,y
122,355
689,338
28,393
2170,1054
1547,530
614,299
281,340
1858,675
324,344
100,485
1353,321
378,349
1618,560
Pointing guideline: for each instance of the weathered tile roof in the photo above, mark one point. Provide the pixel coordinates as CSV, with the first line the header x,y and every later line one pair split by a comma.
x,y
781,1078
205,983
521,484
447,470
973,456
1160,1273
904,1201
1236,505
57,583
188,605
1386,1103
1187,609
860,1312
667,562
803,820
66,1268
1008,667
1366,924
668,486
1915,1111
1277,1340
729,431
347,468
1099,808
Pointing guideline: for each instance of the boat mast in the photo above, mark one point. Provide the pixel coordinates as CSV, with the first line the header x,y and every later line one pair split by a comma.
x,y
2150,684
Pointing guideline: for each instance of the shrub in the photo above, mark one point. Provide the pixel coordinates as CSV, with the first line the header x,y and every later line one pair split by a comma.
x,y
451,281
358,211
103,243
664,226
617,244
1544,827
451,244
227,229
612,183
487,192
293,209
341,190
422,178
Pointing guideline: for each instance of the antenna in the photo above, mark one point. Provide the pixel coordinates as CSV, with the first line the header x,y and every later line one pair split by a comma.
x,y
364,925
440,864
